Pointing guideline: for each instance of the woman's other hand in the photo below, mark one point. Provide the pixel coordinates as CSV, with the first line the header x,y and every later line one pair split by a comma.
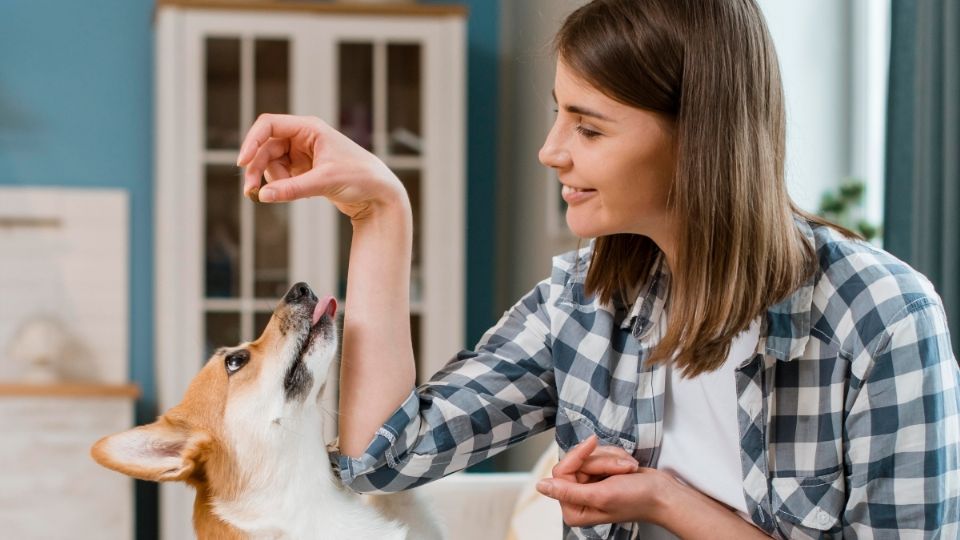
x,y
597,485
604,485
302,156
595,462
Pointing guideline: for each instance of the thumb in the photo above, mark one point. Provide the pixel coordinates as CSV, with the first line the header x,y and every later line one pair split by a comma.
x,y
308,184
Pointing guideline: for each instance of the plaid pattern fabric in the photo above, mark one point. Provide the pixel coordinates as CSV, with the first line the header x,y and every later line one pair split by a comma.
x,y
849,410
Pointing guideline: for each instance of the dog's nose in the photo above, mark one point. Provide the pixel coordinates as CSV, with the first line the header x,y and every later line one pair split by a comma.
x,y
298,293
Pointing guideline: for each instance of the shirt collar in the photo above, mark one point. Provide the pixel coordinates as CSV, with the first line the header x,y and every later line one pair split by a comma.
x,y
647,310
786,327
785,330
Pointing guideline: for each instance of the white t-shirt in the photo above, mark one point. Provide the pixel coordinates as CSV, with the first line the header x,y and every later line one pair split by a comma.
x,y
701,436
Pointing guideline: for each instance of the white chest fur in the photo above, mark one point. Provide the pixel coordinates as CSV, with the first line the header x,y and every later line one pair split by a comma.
x,y
290,492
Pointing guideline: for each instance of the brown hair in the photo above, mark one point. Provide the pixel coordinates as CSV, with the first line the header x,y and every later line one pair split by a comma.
x,y
710,65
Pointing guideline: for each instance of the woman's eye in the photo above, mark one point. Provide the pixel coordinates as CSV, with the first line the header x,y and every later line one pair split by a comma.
x,y
236,360
586,132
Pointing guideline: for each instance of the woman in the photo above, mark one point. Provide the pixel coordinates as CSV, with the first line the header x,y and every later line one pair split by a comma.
x,y
716,363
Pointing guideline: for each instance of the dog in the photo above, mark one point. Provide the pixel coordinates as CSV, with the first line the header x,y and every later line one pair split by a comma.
x,y
248,436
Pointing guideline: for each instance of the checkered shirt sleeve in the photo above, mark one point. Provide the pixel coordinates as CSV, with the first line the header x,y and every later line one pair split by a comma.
x,y
482,402
903,428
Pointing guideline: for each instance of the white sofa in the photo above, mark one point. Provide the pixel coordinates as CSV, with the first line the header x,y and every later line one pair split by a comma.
x,y
497,506
476,506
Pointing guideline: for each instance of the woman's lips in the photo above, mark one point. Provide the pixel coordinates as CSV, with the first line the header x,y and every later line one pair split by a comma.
x,y
577,195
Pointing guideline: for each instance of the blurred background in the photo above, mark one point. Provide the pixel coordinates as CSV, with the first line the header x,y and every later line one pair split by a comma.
x,y
128,253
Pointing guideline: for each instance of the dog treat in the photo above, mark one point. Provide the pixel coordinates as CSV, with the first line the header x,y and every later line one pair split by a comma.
x,y
254,193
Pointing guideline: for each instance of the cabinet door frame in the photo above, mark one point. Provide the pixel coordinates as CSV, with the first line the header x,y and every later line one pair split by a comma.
x,y
179,206
443,170
179,117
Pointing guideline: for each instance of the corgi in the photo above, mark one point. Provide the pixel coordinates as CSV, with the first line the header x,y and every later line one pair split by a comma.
x,y
248,436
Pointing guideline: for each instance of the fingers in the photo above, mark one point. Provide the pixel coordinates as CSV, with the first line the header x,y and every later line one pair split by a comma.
x,y
282,126
587,460
283,190
609,460
311,183
277,170
581,504
270,151
605,465
571,462
584,516
592,495
613,451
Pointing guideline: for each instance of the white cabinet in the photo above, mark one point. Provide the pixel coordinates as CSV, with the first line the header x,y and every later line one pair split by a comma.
x,y
391,77
51,488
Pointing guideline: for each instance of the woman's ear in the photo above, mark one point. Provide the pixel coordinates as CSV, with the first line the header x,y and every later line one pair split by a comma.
x,y
158,452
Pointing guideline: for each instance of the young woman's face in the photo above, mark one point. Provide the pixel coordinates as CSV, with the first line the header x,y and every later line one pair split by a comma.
x,y
615,162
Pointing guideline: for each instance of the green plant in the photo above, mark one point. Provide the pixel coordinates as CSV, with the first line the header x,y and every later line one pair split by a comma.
x,y
844,206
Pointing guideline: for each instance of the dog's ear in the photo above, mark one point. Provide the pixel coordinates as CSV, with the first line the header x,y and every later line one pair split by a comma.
x,y
158,452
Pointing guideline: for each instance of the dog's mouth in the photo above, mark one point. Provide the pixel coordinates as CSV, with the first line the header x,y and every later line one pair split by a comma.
x,y
298,379
321,323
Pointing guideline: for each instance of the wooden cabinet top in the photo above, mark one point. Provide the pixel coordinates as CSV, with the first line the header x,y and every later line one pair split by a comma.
x,y
335,8
69,390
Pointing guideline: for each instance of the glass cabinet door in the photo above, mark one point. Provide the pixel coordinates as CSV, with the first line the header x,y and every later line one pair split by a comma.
x,y
246,246
403,99
394,84
379,106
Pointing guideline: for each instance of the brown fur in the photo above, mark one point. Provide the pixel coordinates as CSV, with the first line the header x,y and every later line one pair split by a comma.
x,y
193,430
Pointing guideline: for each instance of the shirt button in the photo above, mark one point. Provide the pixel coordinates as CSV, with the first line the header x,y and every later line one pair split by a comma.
x,y
824,518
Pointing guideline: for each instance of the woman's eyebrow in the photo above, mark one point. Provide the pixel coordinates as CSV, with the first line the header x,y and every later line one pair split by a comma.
x,y
582,111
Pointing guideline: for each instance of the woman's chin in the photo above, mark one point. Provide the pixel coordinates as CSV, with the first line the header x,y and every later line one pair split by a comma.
x,y
582,227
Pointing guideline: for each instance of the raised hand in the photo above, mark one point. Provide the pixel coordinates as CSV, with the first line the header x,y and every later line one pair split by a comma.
x,y
302,156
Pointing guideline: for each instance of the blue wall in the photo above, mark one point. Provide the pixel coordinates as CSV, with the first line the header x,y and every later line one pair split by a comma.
x,y
76,109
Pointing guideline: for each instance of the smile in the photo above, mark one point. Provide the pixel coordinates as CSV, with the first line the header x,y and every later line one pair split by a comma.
x,y
574,195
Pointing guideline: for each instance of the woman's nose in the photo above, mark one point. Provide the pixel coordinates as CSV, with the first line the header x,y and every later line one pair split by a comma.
x,y
552,153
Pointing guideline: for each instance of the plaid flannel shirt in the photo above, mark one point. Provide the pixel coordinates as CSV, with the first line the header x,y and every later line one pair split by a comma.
x,y
848,409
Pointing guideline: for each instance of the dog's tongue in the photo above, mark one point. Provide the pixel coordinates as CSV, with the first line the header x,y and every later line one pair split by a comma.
x,y
328,305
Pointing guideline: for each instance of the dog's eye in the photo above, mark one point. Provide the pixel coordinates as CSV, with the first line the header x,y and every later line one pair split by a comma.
x,y
236,360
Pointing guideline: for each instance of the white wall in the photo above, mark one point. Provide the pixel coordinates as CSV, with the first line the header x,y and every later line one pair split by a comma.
x,y
833,58
870,63
812,40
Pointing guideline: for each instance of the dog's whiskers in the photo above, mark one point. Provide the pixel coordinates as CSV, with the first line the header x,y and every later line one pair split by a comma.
x,y
279,423
333,414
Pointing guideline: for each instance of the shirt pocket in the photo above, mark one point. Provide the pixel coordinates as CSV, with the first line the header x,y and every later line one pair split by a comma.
x,y
810,507
574,427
